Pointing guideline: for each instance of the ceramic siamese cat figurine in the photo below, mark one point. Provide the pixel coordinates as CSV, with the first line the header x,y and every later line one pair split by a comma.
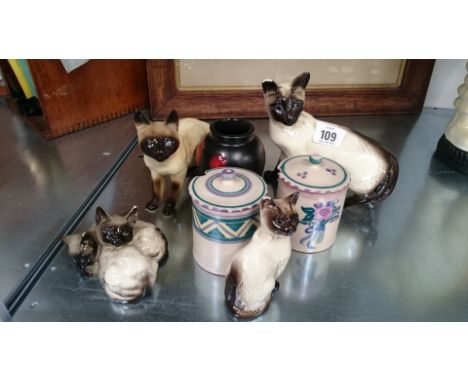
x,y
254,270
373,170
122,251
168,149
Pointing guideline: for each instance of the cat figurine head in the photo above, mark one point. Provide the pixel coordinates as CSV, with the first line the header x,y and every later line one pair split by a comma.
x,y
280,215
157,139
285,103
115,230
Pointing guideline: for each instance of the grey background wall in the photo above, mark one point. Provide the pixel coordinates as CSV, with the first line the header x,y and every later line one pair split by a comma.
x,y
447,76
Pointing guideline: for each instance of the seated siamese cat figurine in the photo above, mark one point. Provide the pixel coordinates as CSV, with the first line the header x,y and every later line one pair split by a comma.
x,y
122,251
373,170
169,149
254,271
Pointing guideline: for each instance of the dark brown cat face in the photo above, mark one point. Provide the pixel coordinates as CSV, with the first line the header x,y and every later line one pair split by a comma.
x,y
159,148
280,214
285,104
158,140
115,230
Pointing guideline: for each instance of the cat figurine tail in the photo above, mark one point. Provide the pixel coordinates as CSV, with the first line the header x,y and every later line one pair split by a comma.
x,y
254,271
385,186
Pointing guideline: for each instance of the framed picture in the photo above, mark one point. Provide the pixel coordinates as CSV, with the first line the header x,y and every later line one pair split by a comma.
x,y
219,88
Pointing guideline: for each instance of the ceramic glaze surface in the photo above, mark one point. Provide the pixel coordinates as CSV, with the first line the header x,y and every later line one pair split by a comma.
x,y
228,189
225,214
169,149
322,184
313,174
457,129
224,230
402,260
231,143
373,169
360,157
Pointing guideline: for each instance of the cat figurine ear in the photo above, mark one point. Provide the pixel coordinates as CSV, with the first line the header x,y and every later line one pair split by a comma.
x,y
270,91
101,215
172,120
299,85
266,202
132,215
292,199
269,86
301,81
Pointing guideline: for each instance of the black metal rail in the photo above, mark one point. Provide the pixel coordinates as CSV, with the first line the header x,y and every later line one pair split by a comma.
x,y
20,292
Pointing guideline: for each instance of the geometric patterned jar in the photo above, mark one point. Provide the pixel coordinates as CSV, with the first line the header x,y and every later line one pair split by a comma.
x,y
322,185
226,204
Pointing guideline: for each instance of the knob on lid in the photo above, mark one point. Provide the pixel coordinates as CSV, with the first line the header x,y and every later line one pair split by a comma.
x,y
313,173
228,188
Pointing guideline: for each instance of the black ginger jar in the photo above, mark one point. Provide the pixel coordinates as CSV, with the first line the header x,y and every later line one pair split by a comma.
x,y
231,143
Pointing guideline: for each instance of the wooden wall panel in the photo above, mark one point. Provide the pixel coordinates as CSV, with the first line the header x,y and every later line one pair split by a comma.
x,y
98,91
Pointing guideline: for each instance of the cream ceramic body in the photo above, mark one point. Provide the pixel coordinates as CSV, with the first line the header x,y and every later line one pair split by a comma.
x,y
169,149
363,160
260,263
127,269
457,130
322,192
126,272
225,215
373,170
254,271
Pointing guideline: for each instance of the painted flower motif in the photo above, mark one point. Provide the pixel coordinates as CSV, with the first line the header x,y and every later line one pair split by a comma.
x,y
324,213
316,218
218,160
331,171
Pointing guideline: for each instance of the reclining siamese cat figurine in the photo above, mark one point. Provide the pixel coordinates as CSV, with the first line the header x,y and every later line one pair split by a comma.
x,y
122,251
254,271
373,170
169,149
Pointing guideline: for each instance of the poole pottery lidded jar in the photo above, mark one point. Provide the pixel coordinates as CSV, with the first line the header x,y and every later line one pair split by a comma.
x,y
231,143
322,184
226,205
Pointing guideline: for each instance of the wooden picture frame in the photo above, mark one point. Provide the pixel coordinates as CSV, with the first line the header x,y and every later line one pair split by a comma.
x,y
407,98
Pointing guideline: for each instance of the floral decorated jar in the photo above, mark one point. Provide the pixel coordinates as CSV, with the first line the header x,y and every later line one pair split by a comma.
x,y
322,184
226,205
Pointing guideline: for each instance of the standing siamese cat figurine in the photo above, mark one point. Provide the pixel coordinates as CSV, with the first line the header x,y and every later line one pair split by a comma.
x,y
122,251
168,149
254,270
373,170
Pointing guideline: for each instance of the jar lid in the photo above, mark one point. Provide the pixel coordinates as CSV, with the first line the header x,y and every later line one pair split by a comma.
x,y
313,174
228,189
